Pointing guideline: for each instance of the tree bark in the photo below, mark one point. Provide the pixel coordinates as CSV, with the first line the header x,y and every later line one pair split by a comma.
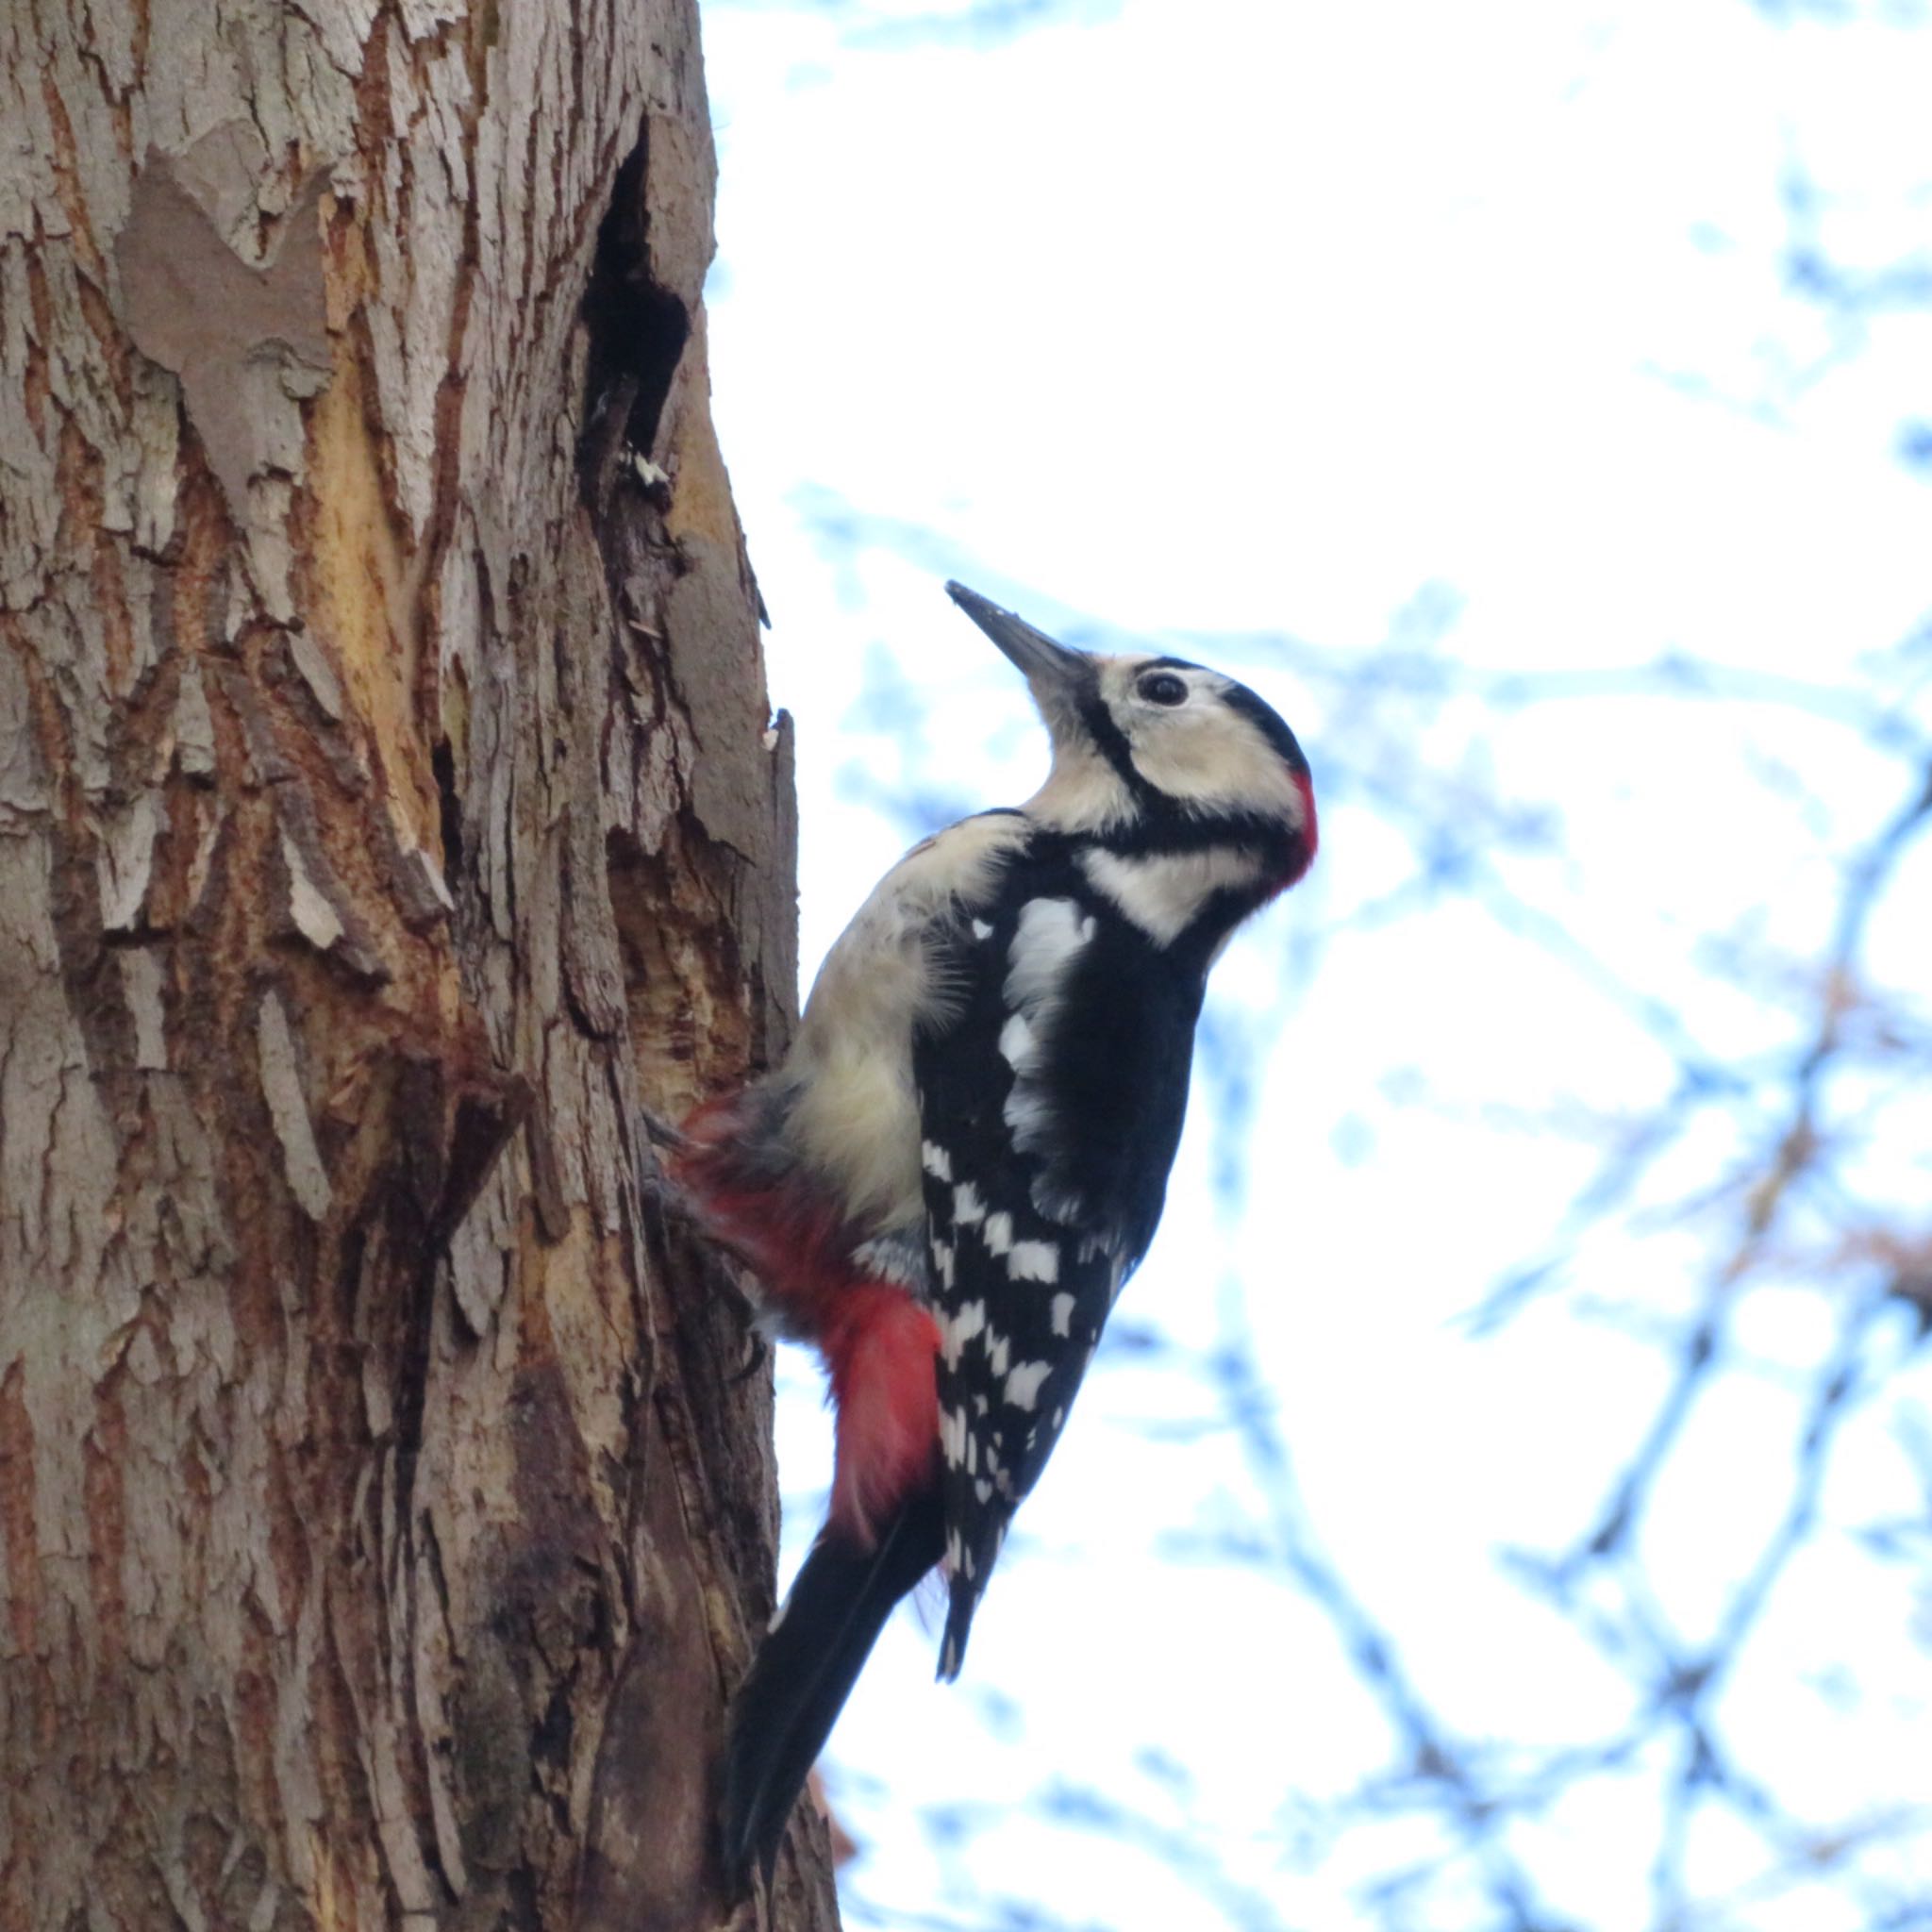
x,y
388,806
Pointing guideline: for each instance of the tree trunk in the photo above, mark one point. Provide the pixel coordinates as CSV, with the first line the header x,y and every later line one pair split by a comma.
x,y
387,807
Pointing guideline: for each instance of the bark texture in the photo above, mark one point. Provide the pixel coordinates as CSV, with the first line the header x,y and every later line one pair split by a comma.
x,y
387,807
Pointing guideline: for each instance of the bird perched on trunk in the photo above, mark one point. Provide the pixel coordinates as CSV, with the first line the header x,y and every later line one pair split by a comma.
x,y
966,1151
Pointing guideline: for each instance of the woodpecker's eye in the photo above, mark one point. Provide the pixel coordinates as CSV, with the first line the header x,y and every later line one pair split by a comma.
x,y
1163,688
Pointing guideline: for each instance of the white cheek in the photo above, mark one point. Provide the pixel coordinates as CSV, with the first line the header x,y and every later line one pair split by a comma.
x,y
1214,762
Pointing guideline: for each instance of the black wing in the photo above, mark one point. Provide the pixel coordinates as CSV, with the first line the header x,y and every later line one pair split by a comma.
x,y
1051,1099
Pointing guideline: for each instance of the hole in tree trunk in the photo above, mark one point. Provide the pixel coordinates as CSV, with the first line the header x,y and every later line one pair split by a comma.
x,y
637,329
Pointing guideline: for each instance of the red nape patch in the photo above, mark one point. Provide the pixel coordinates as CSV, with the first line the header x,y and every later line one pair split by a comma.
x,y
877,1342
1309,841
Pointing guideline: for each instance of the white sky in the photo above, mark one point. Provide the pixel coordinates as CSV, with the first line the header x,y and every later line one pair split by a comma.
x,y
1262,318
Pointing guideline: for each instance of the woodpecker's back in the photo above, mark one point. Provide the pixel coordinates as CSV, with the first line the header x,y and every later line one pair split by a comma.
x,y
966,1152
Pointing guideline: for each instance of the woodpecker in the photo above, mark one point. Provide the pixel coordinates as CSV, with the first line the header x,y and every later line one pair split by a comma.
x,y
965,1154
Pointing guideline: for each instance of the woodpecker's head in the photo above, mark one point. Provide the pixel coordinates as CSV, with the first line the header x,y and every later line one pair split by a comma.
x,y
1146,741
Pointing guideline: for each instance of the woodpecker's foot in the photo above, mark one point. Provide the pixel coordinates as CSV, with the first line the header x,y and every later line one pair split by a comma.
x,y
677,1211
662,1136
665,1194
725,1275
757,1351
662,1133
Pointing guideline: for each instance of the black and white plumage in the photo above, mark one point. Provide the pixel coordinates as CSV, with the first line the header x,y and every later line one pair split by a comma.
x,y
966,1152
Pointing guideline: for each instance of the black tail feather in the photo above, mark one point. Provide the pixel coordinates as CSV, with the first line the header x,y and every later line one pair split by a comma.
x,y
806,1668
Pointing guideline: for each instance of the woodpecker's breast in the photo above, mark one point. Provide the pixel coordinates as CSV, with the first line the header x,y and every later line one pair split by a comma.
x,y
854,1118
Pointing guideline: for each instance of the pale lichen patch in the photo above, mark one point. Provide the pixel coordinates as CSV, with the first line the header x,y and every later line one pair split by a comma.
x,y
314,918
282,1087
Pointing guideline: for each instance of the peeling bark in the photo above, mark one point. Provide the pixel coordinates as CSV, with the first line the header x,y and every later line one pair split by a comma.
x,y
388,807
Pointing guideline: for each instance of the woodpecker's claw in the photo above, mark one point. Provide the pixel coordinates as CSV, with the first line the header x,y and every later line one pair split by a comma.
x,y
755,1356
662,1133
721,1267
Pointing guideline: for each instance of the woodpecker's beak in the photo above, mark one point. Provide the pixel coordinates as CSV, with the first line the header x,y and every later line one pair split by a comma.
x,y
1053,671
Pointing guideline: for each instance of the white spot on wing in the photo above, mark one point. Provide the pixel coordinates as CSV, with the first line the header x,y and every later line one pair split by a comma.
x,y
999,1234
1063,1314
1023,1383
967,1206
1016,1044
936,1161
1028,1113
958,1330
1054,1201
981,930
1051,935
1034,1262
999,1352
953,1437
